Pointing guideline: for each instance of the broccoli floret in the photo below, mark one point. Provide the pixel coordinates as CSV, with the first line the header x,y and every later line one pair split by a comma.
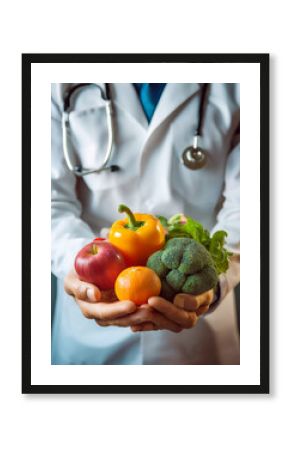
x,y
179,242
184,265
201,281
195,258
176,279
154,262
171,259
173,252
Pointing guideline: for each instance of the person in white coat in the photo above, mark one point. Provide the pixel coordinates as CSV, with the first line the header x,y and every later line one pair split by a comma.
x,y
153,180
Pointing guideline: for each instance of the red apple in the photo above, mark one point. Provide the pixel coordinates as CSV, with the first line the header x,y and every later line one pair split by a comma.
x,y
99,262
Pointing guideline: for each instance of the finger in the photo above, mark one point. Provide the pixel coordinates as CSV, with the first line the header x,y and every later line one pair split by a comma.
x,y
202,309
163,323
147,326
80,289
172,312
185,301
192,302
108,296
205,298
106,311
86,291
93,293
141,316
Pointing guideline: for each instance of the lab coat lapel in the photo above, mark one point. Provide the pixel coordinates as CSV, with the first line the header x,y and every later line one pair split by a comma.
x,y
173,96
126,97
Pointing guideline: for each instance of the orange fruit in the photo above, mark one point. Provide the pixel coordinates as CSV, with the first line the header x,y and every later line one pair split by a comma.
x,y
137,284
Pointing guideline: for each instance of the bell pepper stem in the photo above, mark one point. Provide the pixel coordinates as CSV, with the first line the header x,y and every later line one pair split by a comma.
x,y
132,222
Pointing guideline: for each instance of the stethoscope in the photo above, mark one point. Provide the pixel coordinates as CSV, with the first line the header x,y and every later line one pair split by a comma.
x,y
193,157
68,150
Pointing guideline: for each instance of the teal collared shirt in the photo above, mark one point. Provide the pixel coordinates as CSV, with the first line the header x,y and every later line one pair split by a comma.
x,y
149,95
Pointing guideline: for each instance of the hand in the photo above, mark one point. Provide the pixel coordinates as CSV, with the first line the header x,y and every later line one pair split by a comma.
x,y
107,310
148,319
95,304
184,311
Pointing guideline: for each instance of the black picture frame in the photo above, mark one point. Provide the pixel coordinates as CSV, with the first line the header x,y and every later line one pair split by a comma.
x,y
263,61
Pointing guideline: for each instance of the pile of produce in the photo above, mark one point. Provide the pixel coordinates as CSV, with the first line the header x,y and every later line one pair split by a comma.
x,y
148,255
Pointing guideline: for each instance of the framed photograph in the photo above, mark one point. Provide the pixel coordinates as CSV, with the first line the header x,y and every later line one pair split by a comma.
x,y
145,246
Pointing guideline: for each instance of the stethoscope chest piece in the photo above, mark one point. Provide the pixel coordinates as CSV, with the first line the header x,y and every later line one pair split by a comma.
x,y
193,158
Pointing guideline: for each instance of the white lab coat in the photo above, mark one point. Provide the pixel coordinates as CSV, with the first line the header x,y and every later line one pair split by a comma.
x,y
151,180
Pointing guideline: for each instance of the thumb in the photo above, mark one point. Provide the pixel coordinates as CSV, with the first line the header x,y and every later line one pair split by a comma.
x,y
193,302
186,301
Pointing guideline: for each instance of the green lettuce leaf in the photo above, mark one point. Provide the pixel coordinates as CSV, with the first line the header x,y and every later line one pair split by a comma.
x,y
180,225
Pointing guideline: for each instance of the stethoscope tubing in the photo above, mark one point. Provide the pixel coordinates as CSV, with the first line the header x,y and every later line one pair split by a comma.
x,y
77,170
193,157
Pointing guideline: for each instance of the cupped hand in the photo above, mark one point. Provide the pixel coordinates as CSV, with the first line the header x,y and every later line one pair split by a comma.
x,y
107,310
145,317
95,304
184,311
158,314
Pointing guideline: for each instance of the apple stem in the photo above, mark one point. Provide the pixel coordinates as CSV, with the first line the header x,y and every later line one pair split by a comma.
x,y
95,249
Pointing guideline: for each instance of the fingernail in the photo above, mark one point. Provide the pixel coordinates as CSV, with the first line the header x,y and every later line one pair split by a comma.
x,y
202,309
81,291
91,294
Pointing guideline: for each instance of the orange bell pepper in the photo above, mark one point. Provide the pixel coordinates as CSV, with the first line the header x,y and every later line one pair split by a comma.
x,y
137,236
